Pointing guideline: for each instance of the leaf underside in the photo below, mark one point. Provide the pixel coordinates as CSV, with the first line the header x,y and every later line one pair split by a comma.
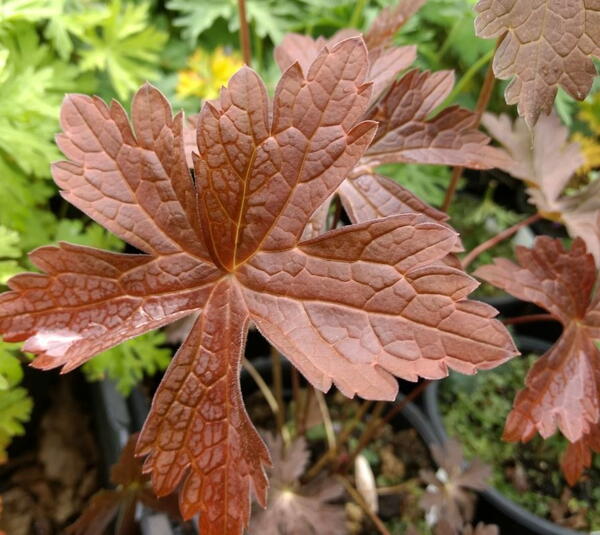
x,y
352,307
563,387
547,45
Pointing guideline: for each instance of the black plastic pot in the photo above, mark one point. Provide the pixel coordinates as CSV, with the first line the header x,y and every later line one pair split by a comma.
x,y
116,419
507,305
518,519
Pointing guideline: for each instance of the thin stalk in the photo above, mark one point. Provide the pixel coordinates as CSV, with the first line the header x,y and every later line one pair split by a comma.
x,y
244,33
377,424
482,102
529,319
355,495
401,487
454,180
498,238
368,433
262,386
296,397
468,77
450,38
357,13
329,433
278,388
330,454
310,391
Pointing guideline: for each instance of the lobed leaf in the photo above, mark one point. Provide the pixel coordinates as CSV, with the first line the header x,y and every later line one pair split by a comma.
x,y
546,45
372,300
403,109
89,300
563,387
578,455
352,307
198,431
408,133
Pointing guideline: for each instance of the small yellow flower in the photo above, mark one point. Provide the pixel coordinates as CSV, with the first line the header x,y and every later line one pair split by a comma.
x,y
590,146
590,113
207,73
590,149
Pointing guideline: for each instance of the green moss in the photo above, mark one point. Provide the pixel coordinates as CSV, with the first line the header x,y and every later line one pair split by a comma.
x,y
474,409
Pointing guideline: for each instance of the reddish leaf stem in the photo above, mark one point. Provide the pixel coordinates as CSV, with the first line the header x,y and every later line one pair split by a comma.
x,y
482,102
529,318
500,237
244,33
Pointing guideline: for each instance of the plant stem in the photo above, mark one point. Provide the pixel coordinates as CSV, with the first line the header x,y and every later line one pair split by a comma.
x,y
363,505
401,487
330,454
368,433
278,388
372,430
456,174
529,318
329,433
310,391
262,385
296,397
500,237
244,33
482,102
357,13
467,78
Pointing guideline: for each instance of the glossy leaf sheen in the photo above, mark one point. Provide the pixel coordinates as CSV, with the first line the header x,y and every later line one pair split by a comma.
x,y
563,387
547,45
353,307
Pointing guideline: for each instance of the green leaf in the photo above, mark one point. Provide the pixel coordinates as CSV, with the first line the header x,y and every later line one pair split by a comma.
x,y
15,403
12,11
124,44
269,18
428,182
92,235
73,18
9,243
127,363
197,16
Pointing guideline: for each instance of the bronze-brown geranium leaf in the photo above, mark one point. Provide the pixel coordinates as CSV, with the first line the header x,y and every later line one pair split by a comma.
x,y
407,132
563,386
352,307
547,45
